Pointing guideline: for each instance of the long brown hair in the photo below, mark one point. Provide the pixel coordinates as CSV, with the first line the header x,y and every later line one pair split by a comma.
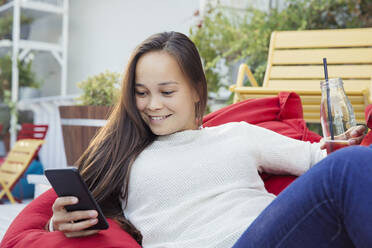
x,y
106,164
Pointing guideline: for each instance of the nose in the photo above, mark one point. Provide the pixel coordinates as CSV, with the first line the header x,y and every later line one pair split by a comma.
x,y
155,103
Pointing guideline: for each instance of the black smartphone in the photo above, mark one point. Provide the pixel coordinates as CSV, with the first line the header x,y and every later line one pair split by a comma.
x,y
68,182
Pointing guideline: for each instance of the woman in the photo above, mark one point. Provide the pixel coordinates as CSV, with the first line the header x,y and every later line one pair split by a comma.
x,y
172,184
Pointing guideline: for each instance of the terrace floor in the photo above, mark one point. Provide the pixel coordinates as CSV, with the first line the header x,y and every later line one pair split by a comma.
x,y
7,214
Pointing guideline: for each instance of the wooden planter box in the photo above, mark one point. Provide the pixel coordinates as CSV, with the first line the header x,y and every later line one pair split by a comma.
x,y
79,125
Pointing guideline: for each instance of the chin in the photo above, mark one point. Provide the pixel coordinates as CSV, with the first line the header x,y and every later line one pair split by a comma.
x,y
160,132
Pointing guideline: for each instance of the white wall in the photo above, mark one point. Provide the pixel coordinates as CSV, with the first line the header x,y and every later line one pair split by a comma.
x,y
104,33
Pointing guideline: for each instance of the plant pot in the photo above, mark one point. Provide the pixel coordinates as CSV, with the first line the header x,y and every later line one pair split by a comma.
x,y
6,140
4,117
28,92
79,125
4,134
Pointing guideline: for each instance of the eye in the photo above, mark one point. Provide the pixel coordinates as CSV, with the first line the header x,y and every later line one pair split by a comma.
x,y
167,93
141,93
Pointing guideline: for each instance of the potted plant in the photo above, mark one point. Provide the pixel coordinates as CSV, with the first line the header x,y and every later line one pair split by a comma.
x,y
28,87
81,122
28,83
6,26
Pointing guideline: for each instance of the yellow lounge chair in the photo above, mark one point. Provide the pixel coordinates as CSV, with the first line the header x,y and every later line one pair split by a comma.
x,y
295,64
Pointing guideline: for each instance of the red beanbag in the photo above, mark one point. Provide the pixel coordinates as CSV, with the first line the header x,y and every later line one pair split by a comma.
x,y
27,230
368,138
282,114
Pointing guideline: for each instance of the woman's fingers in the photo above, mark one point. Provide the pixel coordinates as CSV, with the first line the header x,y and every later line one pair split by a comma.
x,y
81,233
77,226
357,131
74,223
354,135
74,216
60,203
67,219
356,141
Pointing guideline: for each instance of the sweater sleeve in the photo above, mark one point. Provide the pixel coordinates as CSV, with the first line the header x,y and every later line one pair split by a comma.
x,y
278,154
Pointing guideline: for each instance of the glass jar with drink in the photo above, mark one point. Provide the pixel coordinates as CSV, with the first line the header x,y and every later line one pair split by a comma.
x,y
336,115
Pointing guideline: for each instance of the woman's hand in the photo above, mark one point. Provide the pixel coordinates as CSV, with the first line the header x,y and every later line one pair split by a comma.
x,y
353,135
66,221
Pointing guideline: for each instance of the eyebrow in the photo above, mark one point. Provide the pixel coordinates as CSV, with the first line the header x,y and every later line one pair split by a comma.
x,y
161,84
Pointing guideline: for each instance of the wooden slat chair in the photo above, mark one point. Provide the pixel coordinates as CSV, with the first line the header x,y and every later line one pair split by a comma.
x,y
295,64
32,131
16,163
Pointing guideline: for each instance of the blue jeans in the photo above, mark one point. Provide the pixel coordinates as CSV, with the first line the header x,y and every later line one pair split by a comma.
x,y
328,206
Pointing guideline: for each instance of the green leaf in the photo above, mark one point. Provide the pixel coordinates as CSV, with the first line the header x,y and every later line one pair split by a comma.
x,y
228,35
101,89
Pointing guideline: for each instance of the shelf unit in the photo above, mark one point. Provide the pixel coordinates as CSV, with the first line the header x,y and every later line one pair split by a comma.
x,y
21,48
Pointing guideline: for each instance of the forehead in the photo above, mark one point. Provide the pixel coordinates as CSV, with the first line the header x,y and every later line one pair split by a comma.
x,y
158,67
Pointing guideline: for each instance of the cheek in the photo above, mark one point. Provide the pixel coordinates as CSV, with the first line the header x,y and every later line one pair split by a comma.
x,y
141,104
187,103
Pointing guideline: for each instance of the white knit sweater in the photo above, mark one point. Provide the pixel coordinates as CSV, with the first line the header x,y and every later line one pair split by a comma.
x,y
201,188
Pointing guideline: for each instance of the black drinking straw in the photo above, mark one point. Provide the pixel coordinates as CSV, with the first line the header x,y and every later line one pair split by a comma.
x,y
328,100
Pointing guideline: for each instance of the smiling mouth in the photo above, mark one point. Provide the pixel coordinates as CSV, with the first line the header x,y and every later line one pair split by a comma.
x,y
158,118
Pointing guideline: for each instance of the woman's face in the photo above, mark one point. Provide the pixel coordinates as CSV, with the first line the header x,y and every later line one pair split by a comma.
x,y
164,96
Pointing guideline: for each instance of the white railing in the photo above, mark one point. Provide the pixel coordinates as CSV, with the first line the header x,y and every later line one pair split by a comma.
x,y
52,2
45,109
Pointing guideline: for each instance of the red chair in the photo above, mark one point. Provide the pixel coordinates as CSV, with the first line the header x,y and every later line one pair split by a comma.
x,y
31,131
